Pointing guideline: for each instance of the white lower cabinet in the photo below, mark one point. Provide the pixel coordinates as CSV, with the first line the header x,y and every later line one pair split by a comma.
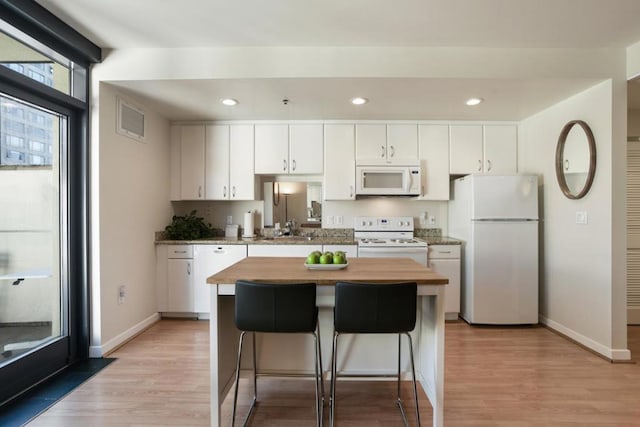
x,y
208,260
445,259
175,278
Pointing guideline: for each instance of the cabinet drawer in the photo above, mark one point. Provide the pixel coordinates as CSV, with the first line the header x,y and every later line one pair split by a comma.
x,y
180,251
444,251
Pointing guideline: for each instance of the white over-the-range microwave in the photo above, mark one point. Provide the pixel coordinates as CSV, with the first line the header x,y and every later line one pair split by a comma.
x,y
388,180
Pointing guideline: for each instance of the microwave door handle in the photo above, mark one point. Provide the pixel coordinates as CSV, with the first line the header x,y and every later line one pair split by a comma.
x,y
407,181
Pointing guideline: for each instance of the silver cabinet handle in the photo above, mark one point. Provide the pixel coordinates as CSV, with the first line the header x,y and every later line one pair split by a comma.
x,y
351,191
488,165
566,165
382,153
224,191
393,151
233,191
293,164
179,252
189,268
479,165
199,191
284,162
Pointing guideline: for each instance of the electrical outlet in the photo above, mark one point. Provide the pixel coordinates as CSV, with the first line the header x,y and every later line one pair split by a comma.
x,y
432,220
339,219
329,219
229,219
122,294
423,218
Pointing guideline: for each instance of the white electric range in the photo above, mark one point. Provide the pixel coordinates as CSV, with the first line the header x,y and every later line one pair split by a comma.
x,y
390,236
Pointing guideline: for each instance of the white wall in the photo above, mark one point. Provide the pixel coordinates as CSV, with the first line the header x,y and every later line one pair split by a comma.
x,y
131,202
582,266
633,123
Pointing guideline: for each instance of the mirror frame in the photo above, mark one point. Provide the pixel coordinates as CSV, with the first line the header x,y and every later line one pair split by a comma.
x,y
562,182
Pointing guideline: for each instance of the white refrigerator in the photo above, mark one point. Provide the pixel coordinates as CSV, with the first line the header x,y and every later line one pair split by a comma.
x,y
496,216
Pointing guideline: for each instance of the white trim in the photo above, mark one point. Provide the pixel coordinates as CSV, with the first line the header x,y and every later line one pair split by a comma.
x,y
609,353
97,351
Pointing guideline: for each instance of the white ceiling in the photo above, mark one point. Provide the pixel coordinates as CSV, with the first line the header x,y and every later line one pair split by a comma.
x,y
444,23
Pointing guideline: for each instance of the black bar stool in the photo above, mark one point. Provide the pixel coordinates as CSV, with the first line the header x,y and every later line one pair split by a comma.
x,y
363,308
277,308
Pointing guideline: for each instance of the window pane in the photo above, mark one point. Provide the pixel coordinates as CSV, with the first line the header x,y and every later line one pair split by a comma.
x,y
31,308
43,66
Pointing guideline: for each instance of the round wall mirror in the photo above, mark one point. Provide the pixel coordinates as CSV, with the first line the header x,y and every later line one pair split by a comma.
x,y
575,159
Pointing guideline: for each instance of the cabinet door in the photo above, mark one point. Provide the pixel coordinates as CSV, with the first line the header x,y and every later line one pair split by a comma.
x,y
180,285
339,162
207,261
241,173
500,149
174,165
162,291
217,162
451,269
192,162
305,149
371,144
434,161
465,149
271,149
402,144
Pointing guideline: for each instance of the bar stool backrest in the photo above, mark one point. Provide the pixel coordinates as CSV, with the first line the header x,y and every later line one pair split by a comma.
x,y
270,307
375,308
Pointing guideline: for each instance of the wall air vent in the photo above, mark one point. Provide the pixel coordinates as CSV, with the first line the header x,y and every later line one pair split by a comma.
x,y
130,121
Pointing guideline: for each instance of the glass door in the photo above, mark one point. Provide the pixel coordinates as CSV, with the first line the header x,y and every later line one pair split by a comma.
x,y
33,283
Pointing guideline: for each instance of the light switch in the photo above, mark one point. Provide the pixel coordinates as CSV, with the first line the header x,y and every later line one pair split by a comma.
x,y
581,217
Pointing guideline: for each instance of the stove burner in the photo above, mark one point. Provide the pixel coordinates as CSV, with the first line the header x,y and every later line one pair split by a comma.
x,y
403,241
372,241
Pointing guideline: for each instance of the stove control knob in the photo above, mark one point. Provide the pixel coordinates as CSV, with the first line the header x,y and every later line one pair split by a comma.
x,y
370,223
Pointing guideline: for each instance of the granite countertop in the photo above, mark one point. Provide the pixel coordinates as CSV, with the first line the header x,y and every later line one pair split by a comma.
x,y
261,240
442,240
297,240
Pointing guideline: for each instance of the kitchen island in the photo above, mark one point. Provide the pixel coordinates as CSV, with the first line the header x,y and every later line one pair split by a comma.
x,y
429,347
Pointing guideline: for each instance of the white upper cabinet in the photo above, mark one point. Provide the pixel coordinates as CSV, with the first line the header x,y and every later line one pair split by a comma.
x,y
241,160
271,149
192,142
500,149
465,149
433,150
305,148
288,149
402,144
217,162
229,162
380,144
339,162
490,149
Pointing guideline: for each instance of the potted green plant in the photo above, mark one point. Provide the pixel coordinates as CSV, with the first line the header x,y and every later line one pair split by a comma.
x,y
188,227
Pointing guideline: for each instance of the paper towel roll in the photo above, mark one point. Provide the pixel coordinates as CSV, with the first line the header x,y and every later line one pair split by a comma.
x,y
247,231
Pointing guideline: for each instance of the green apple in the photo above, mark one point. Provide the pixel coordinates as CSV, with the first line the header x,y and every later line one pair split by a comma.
x,y
341,253
313,258
326,259
339,259
317,253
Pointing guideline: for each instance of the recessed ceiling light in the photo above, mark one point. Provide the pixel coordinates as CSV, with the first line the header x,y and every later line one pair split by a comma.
x,y
229,102
359,100
473,101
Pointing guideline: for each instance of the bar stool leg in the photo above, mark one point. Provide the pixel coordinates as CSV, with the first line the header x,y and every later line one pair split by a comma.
x,y
413,372
318,397
255,371
320,362
332,399
235,394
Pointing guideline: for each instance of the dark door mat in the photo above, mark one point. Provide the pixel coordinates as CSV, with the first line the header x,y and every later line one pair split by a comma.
x,y
23,409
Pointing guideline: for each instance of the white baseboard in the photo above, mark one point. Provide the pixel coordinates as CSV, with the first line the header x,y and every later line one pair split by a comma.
x,y
633,315
98,351
609,353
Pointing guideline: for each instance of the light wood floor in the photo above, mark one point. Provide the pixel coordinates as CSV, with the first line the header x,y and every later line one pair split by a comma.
x,y
495,376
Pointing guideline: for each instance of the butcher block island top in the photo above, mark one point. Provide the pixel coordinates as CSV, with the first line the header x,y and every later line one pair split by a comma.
x,y
292,270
